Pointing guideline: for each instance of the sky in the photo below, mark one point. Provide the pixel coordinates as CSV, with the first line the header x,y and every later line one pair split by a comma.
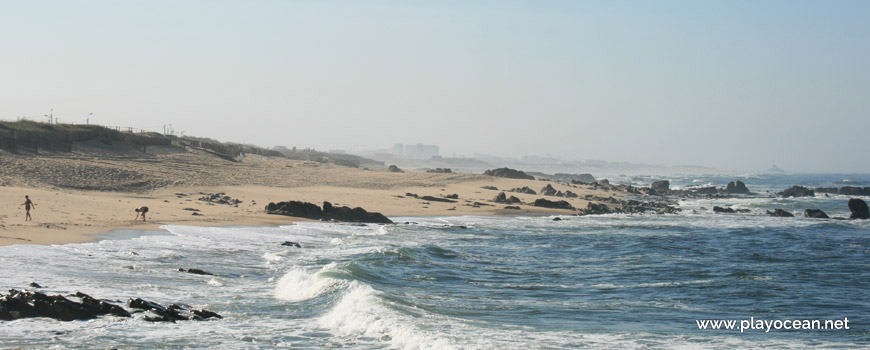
x,y
734,85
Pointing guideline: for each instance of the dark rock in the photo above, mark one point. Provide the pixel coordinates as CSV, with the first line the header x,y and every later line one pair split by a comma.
x,y
413,195
219,198
190,209
22,304
603,182
436,199
440,171
570,194
780,213
815,213
826,190
548,190
490,188
557,219
508,173
706,191
203,314
452,196
394,169
524,189
291,244
661,187
722,210
597,209
859,209
329,212
512,207
853,191
502,198
797,191
35,285
196,272
736,187
541,202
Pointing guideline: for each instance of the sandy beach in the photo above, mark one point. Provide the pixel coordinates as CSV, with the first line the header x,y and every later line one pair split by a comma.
x,y
95,190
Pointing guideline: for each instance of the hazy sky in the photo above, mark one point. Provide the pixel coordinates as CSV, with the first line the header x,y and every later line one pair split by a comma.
x,y
727,84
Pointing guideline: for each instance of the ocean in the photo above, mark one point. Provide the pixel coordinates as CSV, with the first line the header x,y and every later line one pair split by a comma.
x,y
599,282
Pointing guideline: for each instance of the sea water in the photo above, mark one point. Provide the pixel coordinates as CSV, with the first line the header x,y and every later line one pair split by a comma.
x,y
608,281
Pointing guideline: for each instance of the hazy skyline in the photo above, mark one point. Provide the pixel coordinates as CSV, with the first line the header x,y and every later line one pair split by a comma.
x,y
730,85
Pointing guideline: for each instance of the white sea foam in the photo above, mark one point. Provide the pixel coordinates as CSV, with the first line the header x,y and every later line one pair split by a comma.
x,y
298,284
361,313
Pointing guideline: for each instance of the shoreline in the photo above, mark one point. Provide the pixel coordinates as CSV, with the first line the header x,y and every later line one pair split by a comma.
x,y
64,216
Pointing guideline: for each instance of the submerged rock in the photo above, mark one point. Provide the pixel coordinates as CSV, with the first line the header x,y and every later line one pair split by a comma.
x,y
815,213
780,213
196,272
723,210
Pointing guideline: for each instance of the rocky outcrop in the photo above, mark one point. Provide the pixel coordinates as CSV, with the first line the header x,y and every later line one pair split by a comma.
x,y
291,244
780,213
25,304
328,212
394,169
508,173
736,187
661,187
541,202
859,209
797,191
524,189
502,198
816,214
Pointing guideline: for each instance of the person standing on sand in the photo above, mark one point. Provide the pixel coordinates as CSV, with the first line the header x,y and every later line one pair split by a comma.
x,y
27,205
141,210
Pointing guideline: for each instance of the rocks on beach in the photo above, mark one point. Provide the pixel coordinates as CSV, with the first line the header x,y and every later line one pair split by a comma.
x,y
545,203
328,212
503,198
509,173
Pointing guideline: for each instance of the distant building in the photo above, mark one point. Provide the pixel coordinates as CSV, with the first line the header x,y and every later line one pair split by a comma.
x,y
418,151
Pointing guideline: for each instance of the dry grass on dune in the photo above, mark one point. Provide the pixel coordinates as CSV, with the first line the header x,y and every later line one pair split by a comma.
x,y
95,166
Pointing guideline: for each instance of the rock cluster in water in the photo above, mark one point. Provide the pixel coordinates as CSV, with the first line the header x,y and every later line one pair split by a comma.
x,y
26,304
